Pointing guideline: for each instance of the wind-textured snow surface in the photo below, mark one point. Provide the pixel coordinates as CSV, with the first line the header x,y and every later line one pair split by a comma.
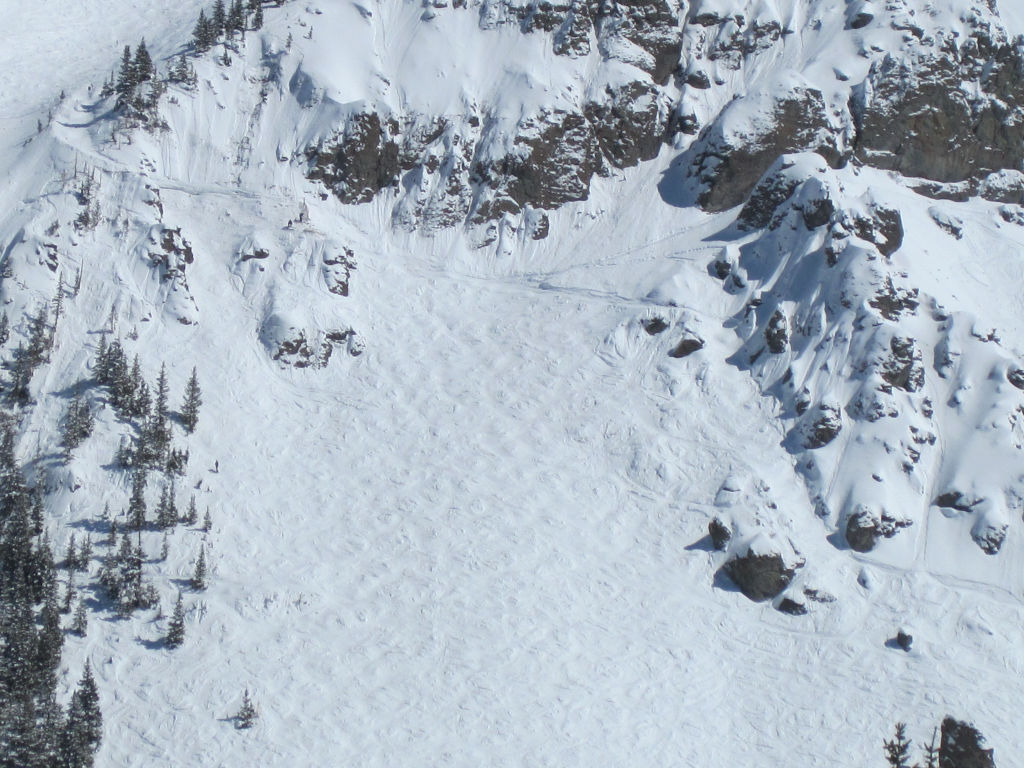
x,y
482,540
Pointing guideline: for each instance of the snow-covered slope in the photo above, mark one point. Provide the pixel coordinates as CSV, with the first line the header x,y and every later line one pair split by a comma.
x,y
495,308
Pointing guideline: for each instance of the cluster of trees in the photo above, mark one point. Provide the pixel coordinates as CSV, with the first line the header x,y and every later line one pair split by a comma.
x,y
226,21
34,729
954,743
149,410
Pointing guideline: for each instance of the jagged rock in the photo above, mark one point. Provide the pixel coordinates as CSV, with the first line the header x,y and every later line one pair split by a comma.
x,y
947,116
892,302
827,424
337,271
686,346
554,157
904,368
362,162
1016,377
698,79
865,526
947,222
720,533
654,325
957,500
989,536
961,746
776,333
761,572
884,228
859,15
573,36
627,122
651,27
792,607
734,157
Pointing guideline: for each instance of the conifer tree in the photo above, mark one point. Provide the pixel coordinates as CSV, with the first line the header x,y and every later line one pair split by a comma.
x,y
39,337
207,522
176,627
126,81
897,749
198,580
190,406
143,63
192,514
219,18
5,329
256,8
84,729
85,553
247,714
203,36
80,622
165,548
137,502
71,556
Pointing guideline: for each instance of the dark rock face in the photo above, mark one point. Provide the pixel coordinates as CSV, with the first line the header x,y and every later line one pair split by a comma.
x,y
686,347
776,333
730,167
825,427
904,368
1016,377
956,500
771,192
555,156
720,533
892,302
989,537
951,115
362,163
760,577
961,746
884,228
655,325
865,527
337,271
791,607
651,25
627,123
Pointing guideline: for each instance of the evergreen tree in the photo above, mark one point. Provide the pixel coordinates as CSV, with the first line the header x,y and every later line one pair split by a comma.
x,y
21,375
192,514
84,728
897,749
207,522
85,553
247,714
5,329
137,502
190,406
931,752
167,509
71,556
203,36
69,594
78,423
198,580
126,81
165,548
39,337
256,7
80,622
219,18
176,627
143,63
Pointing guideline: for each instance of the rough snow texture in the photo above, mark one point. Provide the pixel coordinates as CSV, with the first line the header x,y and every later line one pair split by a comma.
x,y
495,307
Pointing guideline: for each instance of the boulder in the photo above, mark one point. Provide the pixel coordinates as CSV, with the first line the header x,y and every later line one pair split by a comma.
x,y
763,569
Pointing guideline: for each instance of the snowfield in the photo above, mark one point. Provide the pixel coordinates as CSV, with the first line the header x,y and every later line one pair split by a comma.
x,y
478,534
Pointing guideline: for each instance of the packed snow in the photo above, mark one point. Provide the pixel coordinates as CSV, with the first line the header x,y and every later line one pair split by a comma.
x,y
479,535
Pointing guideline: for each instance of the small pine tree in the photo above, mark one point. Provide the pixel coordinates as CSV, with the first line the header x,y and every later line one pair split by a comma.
x,y
207,522
931,752
198,580
71,556
191,514
256,6
85,553
137,502
5,329
69,594
190,406
80,622
219,18
897,749
84,728
165,548
176,627
143,63
126,81
247,714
